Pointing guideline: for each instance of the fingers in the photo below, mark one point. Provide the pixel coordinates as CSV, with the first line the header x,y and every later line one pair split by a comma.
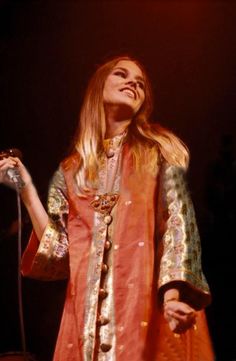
x,y
13,162
5,164
180,326
179,310
173,324
179,307
180,316
9,162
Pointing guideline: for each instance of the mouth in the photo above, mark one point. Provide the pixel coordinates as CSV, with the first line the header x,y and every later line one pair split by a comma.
x,y
130,92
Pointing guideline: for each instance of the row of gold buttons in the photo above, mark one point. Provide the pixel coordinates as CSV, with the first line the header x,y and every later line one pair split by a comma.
x,y
102,320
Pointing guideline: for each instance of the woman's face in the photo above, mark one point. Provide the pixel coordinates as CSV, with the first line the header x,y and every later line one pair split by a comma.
x,y
125,86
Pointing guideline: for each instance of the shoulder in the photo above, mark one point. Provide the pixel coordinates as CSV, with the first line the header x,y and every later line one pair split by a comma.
x,y
71,162
57,181
172,171
172,149
174,181
66,166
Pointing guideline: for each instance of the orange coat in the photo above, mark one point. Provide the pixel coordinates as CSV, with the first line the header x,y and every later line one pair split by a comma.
x,y
154,241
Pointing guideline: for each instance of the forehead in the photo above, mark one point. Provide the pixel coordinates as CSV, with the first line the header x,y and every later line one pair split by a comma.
x,y
130,66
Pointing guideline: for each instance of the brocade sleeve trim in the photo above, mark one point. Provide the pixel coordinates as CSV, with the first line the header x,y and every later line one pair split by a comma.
x,y
180,243
50,259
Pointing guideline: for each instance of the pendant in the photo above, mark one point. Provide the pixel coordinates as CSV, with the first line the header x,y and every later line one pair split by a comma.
x,y
104,203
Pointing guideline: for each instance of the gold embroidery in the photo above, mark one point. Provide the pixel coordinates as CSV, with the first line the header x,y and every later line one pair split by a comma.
x,y
101,253
181,241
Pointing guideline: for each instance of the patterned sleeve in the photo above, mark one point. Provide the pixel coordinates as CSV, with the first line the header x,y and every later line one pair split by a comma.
x,y
48,259
179,242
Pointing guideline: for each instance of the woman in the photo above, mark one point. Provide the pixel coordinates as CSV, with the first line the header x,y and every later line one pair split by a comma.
x,y
121,226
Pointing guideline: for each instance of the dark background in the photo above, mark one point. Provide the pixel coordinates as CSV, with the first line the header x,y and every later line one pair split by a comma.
x,y
48,50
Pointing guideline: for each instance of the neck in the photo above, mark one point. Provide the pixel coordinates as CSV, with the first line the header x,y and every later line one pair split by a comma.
x,y
116,121
113,129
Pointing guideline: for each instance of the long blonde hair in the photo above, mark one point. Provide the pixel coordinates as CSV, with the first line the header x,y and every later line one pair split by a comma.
x,y
144,137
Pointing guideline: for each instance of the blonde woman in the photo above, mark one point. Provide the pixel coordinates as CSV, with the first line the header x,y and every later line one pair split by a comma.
x,y
121,227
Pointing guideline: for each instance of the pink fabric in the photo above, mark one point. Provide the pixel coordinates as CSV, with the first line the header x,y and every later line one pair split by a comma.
x,y
142,333
29,254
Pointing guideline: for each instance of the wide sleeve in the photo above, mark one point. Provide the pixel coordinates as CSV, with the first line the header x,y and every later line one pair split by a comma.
x,y
179,247
48,258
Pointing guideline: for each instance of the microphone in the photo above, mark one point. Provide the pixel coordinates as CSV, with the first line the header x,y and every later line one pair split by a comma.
x,y
15,177
13,173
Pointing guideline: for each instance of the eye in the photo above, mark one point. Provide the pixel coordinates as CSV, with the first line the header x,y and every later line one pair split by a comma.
x,y
120,73
141,85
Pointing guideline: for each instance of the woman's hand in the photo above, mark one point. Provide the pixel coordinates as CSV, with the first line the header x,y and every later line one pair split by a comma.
x,y
28,193
179,315
11,163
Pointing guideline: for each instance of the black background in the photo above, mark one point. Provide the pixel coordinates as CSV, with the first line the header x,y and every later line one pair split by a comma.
x,y
48,50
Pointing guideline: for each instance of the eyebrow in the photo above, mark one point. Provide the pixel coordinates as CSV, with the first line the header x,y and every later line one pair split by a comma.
x,y
138,77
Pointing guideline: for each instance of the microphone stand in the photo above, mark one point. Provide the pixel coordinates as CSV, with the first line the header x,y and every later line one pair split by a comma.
x,y
19,280
19,184
26,356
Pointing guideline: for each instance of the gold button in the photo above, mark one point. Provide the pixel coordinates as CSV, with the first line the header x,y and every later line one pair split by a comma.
x,y
105,347
110,153
102,293
107,245
144,323
105,268
101,321
107,219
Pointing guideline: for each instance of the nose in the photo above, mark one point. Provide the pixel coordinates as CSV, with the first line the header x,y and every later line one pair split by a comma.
x,y
132,83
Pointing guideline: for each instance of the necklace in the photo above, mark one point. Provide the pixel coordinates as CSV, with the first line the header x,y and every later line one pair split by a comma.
x,y
108,195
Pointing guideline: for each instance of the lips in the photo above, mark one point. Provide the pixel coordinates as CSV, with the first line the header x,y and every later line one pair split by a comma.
x,y
130,92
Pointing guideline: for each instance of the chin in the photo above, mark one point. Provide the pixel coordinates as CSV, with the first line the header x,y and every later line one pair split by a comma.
x,y
128,109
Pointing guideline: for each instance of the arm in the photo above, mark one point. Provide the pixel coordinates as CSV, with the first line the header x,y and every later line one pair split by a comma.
x,y
37,213
46,255
48,259
29,194
182,285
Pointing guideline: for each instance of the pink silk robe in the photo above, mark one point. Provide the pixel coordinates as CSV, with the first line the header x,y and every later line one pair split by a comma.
x,y
154,241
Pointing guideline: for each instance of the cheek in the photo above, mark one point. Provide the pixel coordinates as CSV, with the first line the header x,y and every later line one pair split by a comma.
x,y
107,90
142,98
139,105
